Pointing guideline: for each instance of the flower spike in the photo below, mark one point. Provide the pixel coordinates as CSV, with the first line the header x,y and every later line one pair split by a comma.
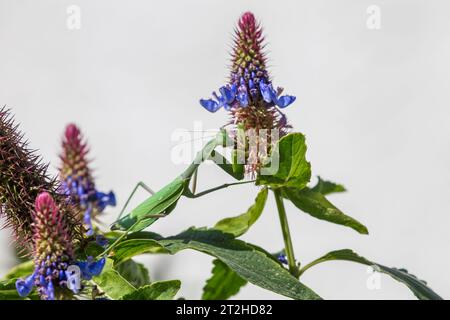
x,y
77,180
53,247
53,253
22,177
247,71
249,95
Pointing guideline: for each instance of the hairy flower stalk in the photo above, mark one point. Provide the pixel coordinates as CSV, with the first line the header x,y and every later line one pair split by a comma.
x,y
22,177
77,180
53,253
53,248
249,95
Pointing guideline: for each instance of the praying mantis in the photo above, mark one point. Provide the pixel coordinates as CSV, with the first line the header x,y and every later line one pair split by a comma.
x,y
162,202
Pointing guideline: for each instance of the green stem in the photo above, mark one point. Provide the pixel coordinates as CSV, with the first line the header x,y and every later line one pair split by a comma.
x,y
113,245
293,269
310,265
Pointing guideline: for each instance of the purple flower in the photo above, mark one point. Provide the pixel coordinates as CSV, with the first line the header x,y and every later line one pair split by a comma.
x,y
226,97
23,177
24,287
53,250
91,268
249,95
247,71
282,258
270,95
101,240
77,179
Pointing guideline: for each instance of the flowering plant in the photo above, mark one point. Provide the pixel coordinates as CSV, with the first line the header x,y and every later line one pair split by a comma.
x,y
71,257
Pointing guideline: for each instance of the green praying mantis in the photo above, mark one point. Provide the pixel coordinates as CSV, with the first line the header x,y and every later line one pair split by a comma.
x,y
162,202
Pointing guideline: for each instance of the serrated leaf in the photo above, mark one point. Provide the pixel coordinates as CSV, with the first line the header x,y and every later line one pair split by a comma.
x,y
223,284
417,286
239,225
315,204
134,272
247,261
287,166
162,290
111,283
327,187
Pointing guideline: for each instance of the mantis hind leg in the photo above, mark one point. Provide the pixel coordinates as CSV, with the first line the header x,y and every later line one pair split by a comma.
x,y
141,185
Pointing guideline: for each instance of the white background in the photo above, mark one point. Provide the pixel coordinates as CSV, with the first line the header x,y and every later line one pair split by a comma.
x,y
373,104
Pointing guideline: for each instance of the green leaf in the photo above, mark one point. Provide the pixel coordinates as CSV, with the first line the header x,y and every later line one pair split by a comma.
x,y
247,261
237,165
417,286
315,204
224,283
130,248
327,187
163,290
135,273
287,166
21,270
8,290
239,225
112,283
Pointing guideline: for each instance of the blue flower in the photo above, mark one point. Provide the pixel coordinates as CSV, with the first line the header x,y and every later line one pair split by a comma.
x,y
71,278
242,96
210,105
88,221
101,201
282,258
91,268
239,95
50,291
284,101
24,287
101,240
77,179
227,96
270,95
45,284
105,199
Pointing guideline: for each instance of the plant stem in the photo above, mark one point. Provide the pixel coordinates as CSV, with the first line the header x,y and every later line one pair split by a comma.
x,y
286,234
113,245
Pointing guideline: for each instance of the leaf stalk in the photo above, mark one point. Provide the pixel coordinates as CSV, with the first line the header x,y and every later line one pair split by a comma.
x,y
289,249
